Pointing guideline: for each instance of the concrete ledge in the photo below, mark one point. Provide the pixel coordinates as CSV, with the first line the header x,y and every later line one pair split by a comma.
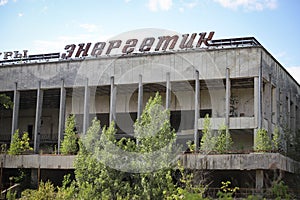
x,y
252,161
235,123
37,161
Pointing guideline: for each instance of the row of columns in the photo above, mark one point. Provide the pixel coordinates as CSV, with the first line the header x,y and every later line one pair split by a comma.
x,y
112,116
62,107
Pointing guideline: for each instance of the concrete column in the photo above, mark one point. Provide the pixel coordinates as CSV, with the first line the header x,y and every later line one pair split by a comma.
x,y
113,94
86,107
168,92
34,178
257,110
15,114
268,103
197,100
140,97
228,93
38,116
259,179
62,111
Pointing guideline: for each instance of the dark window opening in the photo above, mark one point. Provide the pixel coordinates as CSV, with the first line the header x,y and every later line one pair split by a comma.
x,y
204,112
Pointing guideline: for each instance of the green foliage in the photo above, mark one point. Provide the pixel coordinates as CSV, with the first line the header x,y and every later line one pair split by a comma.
x,y
224,140
20,177
276,140
280,190
46,191
226,193
208,141
5,101
189,188
220,143
68,189
19,145
69,143
95,177
11,195
262,141
191,146
252,197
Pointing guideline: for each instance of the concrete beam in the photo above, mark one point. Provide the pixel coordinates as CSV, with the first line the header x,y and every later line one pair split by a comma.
x,y
15,114
38,116
252,161
36,161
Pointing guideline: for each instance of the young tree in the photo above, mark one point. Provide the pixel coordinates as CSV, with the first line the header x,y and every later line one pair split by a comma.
x,y
262,141
224,140
208,141
276,140
100,169
69,143
19,145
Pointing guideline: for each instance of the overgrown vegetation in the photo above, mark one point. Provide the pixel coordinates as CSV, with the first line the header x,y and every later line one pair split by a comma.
x,y
19,145
69,144
208,141
106,168
276,140
213,141
280,191
226,192
224,140
262,141
5,102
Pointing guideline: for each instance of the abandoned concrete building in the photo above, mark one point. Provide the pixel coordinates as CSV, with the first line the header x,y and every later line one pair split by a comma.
x,y
237,82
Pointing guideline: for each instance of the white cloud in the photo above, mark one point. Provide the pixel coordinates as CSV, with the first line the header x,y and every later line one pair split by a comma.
x,y
44,9
191,4
295,72
155,5
257,5
3,2
187,5
127,1
89,27
20,14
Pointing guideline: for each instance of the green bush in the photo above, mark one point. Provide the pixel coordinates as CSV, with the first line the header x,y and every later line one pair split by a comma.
x,y
262,141
224,140
276,140
46,191
280,190
69,143
19,145
208,141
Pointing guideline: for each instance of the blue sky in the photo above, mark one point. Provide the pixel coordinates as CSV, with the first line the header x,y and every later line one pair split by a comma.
x,y
46,26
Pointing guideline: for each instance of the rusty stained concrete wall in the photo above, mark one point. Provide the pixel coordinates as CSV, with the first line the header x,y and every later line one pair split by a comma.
x,y
37,161
252,161
212,64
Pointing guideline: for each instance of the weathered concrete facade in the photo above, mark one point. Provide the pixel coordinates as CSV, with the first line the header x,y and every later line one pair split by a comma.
x,y
243,87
